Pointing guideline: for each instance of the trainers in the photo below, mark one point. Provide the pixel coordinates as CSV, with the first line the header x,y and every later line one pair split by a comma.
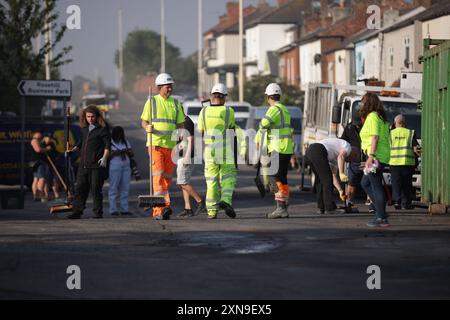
x,y
378,223
374,223
371,208
167,212
397,206
408,207
186,213
384,223
320,211
201,208
229,211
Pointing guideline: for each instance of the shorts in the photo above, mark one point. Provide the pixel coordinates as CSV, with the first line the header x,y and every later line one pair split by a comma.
x,y
42,171
184,173
355,174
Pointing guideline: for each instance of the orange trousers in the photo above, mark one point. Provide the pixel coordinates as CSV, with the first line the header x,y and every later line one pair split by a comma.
x,y
163,168
283,192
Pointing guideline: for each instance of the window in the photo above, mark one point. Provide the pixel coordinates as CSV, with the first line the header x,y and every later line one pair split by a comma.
x,y
212,48
391,57
407,52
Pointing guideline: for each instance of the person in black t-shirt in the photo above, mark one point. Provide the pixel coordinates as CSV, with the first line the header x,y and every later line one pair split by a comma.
x,y
185,167
355,174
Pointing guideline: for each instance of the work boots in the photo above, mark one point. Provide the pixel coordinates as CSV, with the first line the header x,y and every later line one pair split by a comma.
x,y
280,211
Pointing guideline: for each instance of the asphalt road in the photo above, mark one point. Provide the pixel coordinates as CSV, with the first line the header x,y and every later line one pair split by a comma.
x,y
307,256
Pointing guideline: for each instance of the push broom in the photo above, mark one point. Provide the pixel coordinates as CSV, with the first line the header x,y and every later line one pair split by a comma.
x,y
150,201
60,207
67,205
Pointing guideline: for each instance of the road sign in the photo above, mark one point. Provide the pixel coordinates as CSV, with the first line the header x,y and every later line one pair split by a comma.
x,y
45,88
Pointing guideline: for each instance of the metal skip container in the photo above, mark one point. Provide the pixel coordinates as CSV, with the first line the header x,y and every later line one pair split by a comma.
x,y
436,125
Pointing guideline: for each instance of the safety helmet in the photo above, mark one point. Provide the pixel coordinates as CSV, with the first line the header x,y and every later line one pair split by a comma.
x,y
273,89
219,88
164,78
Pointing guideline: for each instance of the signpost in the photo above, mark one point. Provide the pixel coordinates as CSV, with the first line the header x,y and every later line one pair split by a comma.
x,y
50,89
45,88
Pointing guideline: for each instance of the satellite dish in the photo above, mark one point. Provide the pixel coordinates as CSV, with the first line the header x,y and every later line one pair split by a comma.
x,y
406,63
317,58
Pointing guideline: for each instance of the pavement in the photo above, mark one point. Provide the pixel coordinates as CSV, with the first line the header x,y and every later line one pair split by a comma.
x,y
307,256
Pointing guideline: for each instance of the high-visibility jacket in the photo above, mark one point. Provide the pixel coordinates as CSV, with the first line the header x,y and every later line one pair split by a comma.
x,y
402,153
166,114
214,122
277,122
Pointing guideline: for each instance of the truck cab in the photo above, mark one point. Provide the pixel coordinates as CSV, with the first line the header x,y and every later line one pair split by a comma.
x,y
329,108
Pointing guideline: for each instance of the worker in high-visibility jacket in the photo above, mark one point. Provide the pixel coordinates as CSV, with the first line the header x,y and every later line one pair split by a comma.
x,y
216,123
277,122
402,163
167,116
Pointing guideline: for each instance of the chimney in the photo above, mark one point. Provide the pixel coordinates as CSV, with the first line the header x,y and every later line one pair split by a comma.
x,y
233,10
389,17
339,13
281,2
424,3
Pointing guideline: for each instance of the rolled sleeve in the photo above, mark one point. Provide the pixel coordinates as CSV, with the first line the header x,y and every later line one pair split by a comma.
x,y
146,112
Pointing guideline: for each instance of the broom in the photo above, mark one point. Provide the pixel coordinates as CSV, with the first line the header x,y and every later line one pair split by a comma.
x,y
60,207
150,201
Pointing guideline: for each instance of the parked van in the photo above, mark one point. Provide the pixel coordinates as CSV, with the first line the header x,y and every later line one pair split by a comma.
x,y
241,112
192,109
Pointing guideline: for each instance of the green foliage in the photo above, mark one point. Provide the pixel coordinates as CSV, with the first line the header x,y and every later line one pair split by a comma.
x,y
142,55
21,21
255,87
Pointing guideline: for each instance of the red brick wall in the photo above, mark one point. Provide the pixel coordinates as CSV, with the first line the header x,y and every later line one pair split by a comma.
x,y
327,61
294,58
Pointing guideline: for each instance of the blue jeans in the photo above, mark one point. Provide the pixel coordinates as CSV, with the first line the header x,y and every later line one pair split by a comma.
x,y
119,186
372,184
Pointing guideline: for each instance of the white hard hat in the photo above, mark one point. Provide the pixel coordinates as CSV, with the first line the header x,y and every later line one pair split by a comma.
x,y
164,78
273,89
219,88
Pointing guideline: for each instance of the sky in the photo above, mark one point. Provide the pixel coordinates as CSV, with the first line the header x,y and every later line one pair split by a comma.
x,y
95,43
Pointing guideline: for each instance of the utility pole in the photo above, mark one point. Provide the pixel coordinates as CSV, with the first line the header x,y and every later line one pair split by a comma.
x,y
200,52
241,52
163,38
120,84
48,41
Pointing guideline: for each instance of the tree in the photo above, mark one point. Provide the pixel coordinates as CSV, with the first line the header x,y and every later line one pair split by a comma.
x,y
255,87
142,54
21,21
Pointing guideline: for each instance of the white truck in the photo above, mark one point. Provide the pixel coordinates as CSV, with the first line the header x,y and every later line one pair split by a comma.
x,y
329,108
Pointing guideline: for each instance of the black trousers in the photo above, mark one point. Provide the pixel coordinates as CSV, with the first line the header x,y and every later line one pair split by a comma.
x,y
402,188
317,157
283,167
89,180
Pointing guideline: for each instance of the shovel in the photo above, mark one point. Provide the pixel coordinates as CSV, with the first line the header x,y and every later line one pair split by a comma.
x,y
258,179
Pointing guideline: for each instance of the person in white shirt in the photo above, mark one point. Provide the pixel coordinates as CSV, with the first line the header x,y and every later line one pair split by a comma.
x,y
327,158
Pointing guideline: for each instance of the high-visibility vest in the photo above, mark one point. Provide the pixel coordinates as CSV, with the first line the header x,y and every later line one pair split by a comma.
x,y
402,153
277,122
214,122
165,114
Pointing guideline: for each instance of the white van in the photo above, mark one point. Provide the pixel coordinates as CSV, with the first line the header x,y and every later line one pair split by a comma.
x,y
192,109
